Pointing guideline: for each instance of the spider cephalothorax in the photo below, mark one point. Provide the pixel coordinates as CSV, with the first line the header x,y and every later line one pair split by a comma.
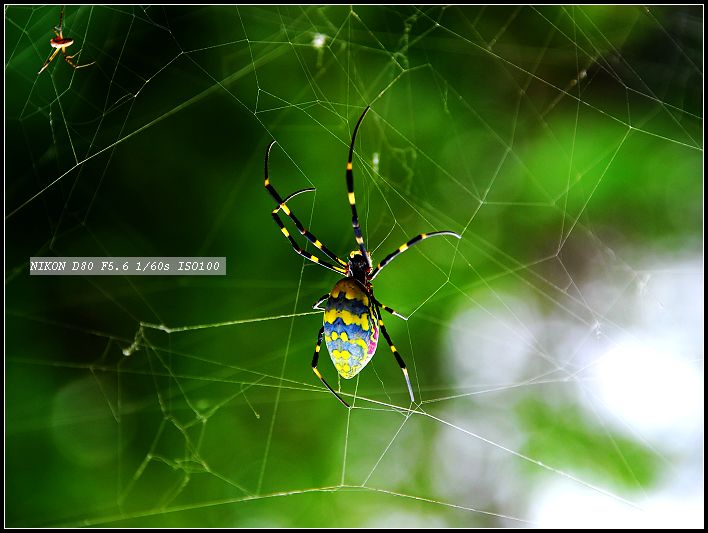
x,y
352,314
359,269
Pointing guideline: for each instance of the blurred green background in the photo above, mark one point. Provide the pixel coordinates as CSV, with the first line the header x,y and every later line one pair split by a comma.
x,y
563,143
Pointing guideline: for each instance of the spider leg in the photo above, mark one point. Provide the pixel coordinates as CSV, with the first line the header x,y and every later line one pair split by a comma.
x,y
398,357
282,204
293,195
61,20
415,240
298,249
68,59
317,304
317,372
350,191
388,309
49,60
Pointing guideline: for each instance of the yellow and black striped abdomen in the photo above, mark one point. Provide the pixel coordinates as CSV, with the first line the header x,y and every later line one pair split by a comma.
x,y
350,327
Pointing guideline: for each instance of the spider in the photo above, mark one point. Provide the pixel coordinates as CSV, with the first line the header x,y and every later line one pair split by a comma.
x,y
60,44
352,314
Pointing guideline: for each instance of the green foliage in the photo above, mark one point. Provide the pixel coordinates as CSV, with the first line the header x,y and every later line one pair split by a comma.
x,y
551,137
564,436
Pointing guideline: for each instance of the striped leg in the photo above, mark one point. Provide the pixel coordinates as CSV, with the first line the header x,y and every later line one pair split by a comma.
x,y
315,359
302,252
309,236
398,357
350,192
388,309
415,240
319,302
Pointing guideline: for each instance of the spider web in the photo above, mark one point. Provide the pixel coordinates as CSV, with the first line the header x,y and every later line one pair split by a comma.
x,y
556,350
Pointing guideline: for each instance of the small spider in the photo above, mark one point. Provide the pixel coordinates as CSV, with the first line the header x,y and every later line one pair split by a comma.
x,y
352,314
60,44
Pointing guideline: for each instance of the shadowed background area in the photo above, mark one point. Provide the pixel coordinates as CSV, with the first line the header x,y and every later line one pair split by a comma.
x,y
555,351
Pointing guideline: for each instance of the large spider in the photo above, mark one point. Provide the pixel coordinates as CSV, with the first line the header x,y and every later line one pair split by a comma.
x,y
60,44
352,314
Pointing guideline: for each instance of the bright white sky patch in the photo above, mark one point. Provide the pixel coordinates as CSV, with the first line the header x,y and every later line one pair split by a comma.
x,y
563,504
650,386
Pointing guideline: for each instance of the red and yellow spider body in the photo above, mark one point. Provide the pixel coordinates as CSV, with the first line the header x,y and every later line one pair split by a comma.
x,y
61,42
350,327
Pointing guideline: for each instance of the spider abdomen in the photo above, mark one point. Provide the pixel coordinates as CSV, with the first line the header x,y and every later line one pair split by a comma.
x,y
61,42
350,327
